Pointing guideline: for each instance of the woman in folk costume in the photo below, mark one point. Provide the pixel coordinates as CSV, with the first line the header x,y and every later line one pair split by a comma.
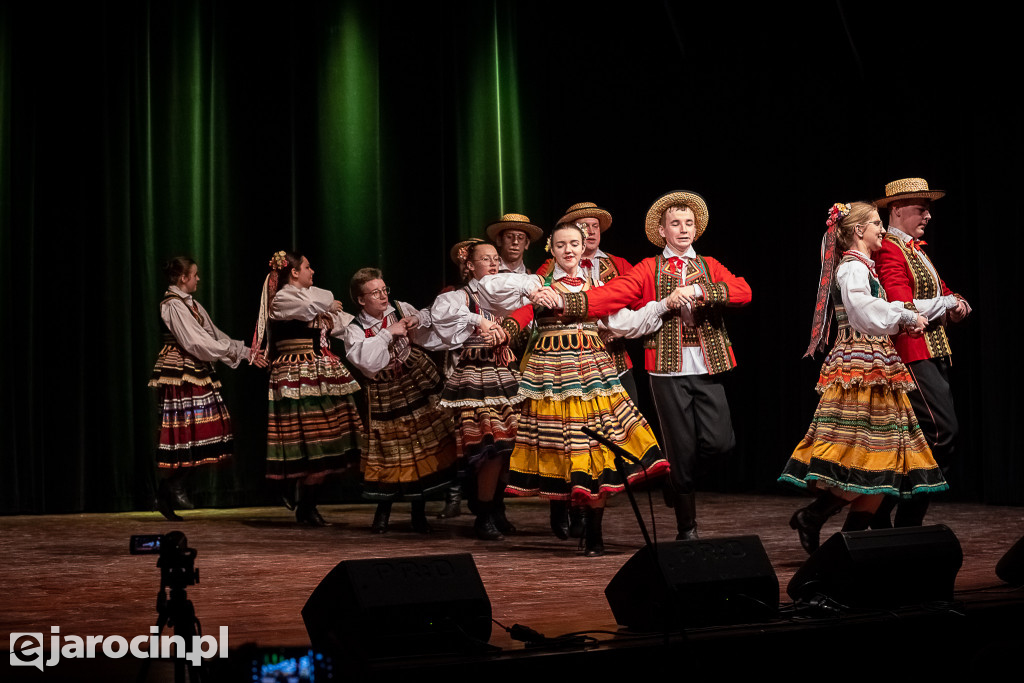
x,y
195,428
411,442
313,426
569,381
483,390
864,440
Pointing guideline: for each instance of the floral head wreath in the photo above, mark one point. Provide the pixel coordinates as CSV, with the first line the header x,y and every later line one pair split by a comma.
x,y
582,227
822,312
279,260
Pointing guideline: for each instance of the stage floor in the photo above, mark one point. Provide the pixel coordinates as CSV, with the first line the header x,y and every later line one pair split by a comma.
x,y
257,567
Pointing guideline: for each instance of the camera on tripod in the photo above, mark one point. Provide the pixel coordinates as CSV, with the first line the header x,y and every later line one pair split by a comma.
x,y
177,561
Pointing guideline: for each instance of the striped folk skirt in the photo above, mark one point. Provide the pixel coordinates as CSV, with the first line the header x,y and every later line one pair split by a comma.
x,y
313,425
864,436
195,428
570,382
411,441
481,396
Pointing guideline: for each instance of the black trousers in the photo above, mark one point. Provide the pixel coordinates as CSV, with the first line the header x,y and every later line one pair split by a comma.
x,y
695,424
933,406
629,384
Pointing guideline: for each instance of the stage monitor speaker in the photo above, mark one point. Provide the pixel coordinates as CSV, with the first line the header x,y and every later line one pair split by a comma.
x,y
394,606
1010,567
695,583
882,569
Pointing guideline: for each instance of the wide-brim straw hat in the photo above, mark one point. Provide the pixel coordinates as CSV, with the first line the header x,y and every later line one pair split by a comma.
x,y
514,221
587,210
457,250
677,198
908,188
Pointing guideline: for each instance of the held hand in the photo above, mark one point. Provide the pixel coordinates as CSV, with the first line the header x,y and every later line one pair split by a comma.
x,y
960,312
336,307
485,327
260,361
680,296
918,328
546,297
412,322
399,329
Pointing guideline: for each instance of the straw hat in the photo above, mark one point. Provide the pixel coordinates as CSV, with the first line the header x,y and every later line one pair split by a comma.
x,y
587,210
908,188
457,250
677,198
514,221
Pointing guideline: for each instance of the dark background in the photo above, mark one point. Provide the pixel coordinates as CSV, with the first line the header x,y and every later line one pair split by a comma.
x,y
380,133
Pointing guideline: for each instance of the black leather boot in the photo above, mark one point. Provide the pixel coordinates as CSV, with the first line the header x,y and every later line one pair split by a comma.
x,y
381,517
910,511
305,507
452,502
484,526
165,502
560,518
176,483
500,520
577,524
807,521
419,517
857,521
593,541
686,517
882,519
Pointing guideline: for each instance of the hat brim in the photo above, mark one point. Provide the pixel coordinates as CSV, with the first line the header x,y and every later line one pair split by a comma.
x,y
453,253
923,194
657,210
495,229
604,219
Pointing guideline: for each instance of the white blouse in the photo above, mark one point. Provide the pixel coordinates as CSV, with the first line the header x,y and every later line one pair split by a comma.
x,y
206,342
295,303
507,292
373,354
452,320
871,315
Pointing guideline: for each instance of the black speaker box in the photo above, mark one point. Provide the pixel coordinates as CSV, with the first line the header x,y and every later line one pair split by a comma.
x,y
1010,567
695,583
884,568
397,606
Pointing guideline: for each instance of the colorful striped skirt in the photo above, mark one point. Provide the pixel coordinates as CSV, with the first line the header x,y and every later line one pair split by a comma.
x,y
313,425
481,395
864,436
571,382
411,449
195,428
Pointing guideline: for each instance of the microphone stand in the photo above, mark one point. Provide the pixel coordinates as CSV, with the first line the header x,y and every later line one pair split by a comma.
x,y
620,456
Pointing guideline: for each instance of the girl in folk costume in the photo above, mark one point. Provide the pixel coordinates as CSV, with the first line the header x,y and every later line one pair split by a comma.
x,y
483,390
195,428
411,451
569,381
864,440
313,426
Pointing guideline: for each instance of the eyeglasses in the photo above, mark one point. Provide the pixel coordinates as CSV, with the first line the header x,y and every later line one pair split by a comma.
x,y
381,293
877,224
488,259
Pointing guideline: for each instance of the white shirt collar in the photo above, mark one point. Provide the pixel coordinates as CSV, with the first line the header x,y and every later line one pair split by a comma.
x,y
558,273
180,292
866,257
369,322
899,233
689,253
521,268
597,254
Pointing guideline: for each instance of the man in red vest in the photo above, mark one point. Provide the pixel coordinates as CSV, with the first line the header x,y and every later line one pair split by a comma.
x,y
907,273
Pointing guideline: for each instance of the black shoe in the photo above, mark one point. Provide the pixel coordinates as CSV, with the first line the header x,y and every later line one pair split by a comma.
x,y
165,503
419,518
309,515
576,523
808,521
500,520
176,486
685,506
560,519
593,542
380,518
452,503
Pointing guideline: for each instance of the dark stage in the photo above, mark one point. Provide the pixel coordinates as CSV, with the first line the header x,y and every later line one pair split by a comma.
x,y
257,568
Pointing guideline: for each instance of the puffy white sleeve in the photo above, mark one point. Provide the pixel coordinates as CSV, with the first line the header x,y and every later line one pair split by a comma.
x,y
205,344
633,324
869,314
506,292
451,321
423,335
293,303
339,322
935,308
369,354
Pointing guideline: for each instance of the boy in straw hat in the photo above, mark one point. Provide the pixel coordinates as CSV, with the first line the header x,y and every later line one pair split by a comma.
x,y
687,355
512,235
907,273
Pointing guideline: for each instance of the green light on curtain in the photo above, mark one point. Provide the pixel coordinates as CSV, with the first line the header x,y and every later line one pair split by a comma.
x,y
350,138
